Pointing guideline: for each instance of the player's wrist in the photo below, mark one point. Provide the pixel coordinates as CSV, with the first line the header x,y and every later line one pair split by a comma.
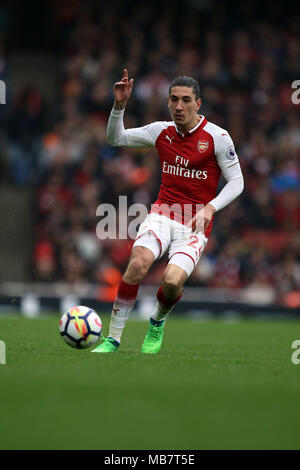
x,y
119,105
211,207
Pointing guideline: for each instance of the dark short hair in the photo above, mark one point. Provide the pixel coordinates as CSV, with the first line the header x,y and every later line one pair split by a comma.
x,y
183,80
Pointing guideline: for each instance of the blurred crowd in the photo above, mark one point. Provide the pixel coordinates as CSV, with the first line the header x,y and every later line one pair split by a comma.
x,y
245,61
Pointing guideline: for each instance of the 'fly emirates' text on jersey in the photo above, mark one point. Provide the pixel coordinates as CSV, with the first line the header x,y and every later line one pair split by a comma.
x,y
191,163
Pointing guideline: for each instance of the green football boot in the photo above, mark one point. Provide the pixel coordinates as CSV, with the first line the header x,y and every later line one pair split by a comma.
x,y
109,345
154,337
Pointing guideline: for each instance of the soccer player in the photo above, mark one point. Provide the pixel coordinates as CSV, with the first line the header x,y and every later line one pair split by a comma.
x,y
193,153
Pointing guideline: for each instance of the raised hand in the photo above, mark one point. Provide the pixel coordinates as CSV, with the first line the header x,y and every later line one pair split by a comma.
x,y
122,91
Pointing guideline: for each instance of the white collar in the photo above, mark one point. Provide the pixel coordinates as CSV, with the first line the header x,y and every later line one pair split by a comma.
x,y
191,130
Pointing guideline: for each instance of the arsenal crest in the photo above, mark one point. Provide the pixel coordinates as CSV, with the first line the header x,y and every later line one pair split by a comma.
x,y
202,145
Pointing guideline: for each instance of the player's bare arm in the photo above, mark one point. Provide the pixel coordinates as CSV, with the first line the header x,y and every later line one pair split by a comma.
x,y
122,91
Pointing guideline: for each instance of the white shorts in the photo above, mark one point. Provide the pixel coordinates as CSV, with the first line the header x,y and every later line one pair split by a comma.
x,y
159,233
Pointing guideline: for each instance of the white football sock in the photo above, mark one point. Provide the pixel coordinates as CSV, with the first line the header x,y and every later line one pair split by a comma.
x,y
119,315
160,312
123,305
164,305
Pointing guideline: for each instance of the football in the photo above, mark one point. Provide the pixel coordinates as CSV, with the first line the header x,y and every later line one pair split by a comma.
x,y
80,327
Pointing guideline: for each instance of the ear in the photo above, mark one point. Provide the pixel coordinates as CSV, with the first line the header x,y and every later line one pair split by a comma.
x,y
198,103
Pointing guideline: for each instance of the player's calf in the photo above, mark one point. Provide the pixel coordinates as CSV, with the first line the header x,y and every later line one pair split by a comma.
x,y
173,280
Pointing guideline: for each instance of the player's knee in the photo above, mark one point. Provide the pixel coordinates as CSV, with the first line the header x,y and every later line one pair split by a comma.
x,y
174,276
137,269
139,265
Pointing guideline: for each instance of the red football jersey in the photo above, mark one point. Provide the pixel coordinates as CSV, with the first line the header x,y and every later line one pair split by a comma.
x,y
191,163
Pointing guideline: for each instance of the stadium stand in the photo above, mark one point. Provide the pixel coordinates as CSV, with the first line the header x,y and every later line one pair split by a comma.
x,y
245,60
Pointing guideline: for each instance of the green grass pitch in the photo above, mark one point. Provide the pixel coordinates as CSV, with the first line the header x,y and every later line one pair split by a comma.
x,y
215,385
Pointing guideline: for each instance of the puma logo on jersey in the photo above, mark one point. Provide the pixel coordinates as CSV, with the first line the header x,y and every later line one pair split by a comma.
x,y
169,138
